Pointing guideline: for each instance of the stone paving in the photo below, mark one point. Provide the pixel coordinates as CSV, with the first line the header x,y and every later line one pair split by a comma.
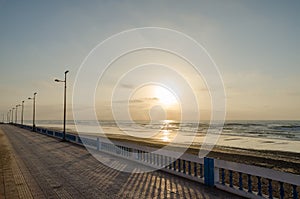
x,y
37,166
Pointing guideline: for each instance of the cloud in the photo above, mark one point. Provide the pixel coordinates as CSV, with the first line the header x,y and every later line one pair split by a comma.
x,y
294,93
139,100
128,86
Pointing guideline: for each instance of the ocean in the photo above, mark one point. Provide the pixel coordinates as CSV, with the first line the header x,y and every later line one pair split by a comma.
x,y
259,135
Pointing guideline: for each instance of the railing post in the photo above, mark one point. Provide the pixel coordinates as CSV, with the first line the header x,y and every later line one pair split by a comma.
x,y
174,165
195,169
249,184
217,175
240,181
209,171
167,165
230,179
201,171
135,154
295,194
270,189
259,186
189,168
281,190
98,144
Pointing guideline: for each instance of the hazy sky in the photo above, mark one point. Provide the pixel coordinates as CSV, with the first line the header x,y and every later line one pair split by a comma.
x,y
255,44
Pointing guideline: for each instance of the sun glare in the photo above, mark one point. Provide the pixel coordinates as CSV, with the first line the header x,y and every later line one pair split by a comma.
x,y
165,96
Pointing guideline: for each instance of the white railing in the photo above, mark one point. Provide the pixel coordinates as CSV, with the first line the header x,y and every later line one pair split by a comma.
x,y
256,182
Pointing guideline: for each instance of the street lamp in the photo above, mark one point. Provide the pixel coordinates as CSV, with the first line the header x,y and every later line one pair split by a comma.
x,y
65,102
22,114
17,113
9,115
12,115
33,111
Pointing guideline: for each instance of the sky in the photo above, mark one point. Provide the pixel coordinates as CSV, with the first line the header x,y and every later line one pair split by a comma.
x,y
255,45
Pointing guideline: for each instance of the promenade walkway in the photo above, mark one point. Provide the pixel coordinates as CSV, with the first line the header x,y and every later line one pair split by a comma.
x,y
36,166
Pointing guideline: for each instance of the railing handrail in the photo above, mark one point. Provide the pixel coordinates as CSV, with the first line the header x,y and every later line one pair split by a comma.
x,y
172,154
259,171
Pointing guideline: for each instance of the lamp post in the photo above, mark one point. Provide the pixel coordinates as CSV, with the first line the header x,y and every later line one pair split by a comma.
x,y
9,115
17,113
65,103
12,115
33,111
22,114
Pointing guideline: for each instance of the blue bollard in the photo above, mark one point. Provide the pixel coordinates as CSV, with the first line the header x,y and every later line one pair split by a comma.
x,y
223,176
240,181
174,165
189,167
230,179
259,186
295,194
281,190
209,176
201,171
249,184
195,169
270,189
98,143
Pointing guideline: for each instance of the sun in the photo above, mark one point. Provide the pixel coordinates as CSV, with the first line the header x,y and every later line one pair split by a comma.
x,y
165,96
156,95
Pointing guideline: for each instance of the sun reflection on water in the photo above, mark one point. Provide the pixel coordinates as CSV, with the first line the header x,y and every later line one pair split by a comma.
x,y
165,139
166,131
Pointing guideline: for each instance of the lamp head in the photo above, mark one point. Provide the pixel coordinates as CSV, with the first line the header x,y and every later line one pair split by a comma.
x,y
66,71
35,93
